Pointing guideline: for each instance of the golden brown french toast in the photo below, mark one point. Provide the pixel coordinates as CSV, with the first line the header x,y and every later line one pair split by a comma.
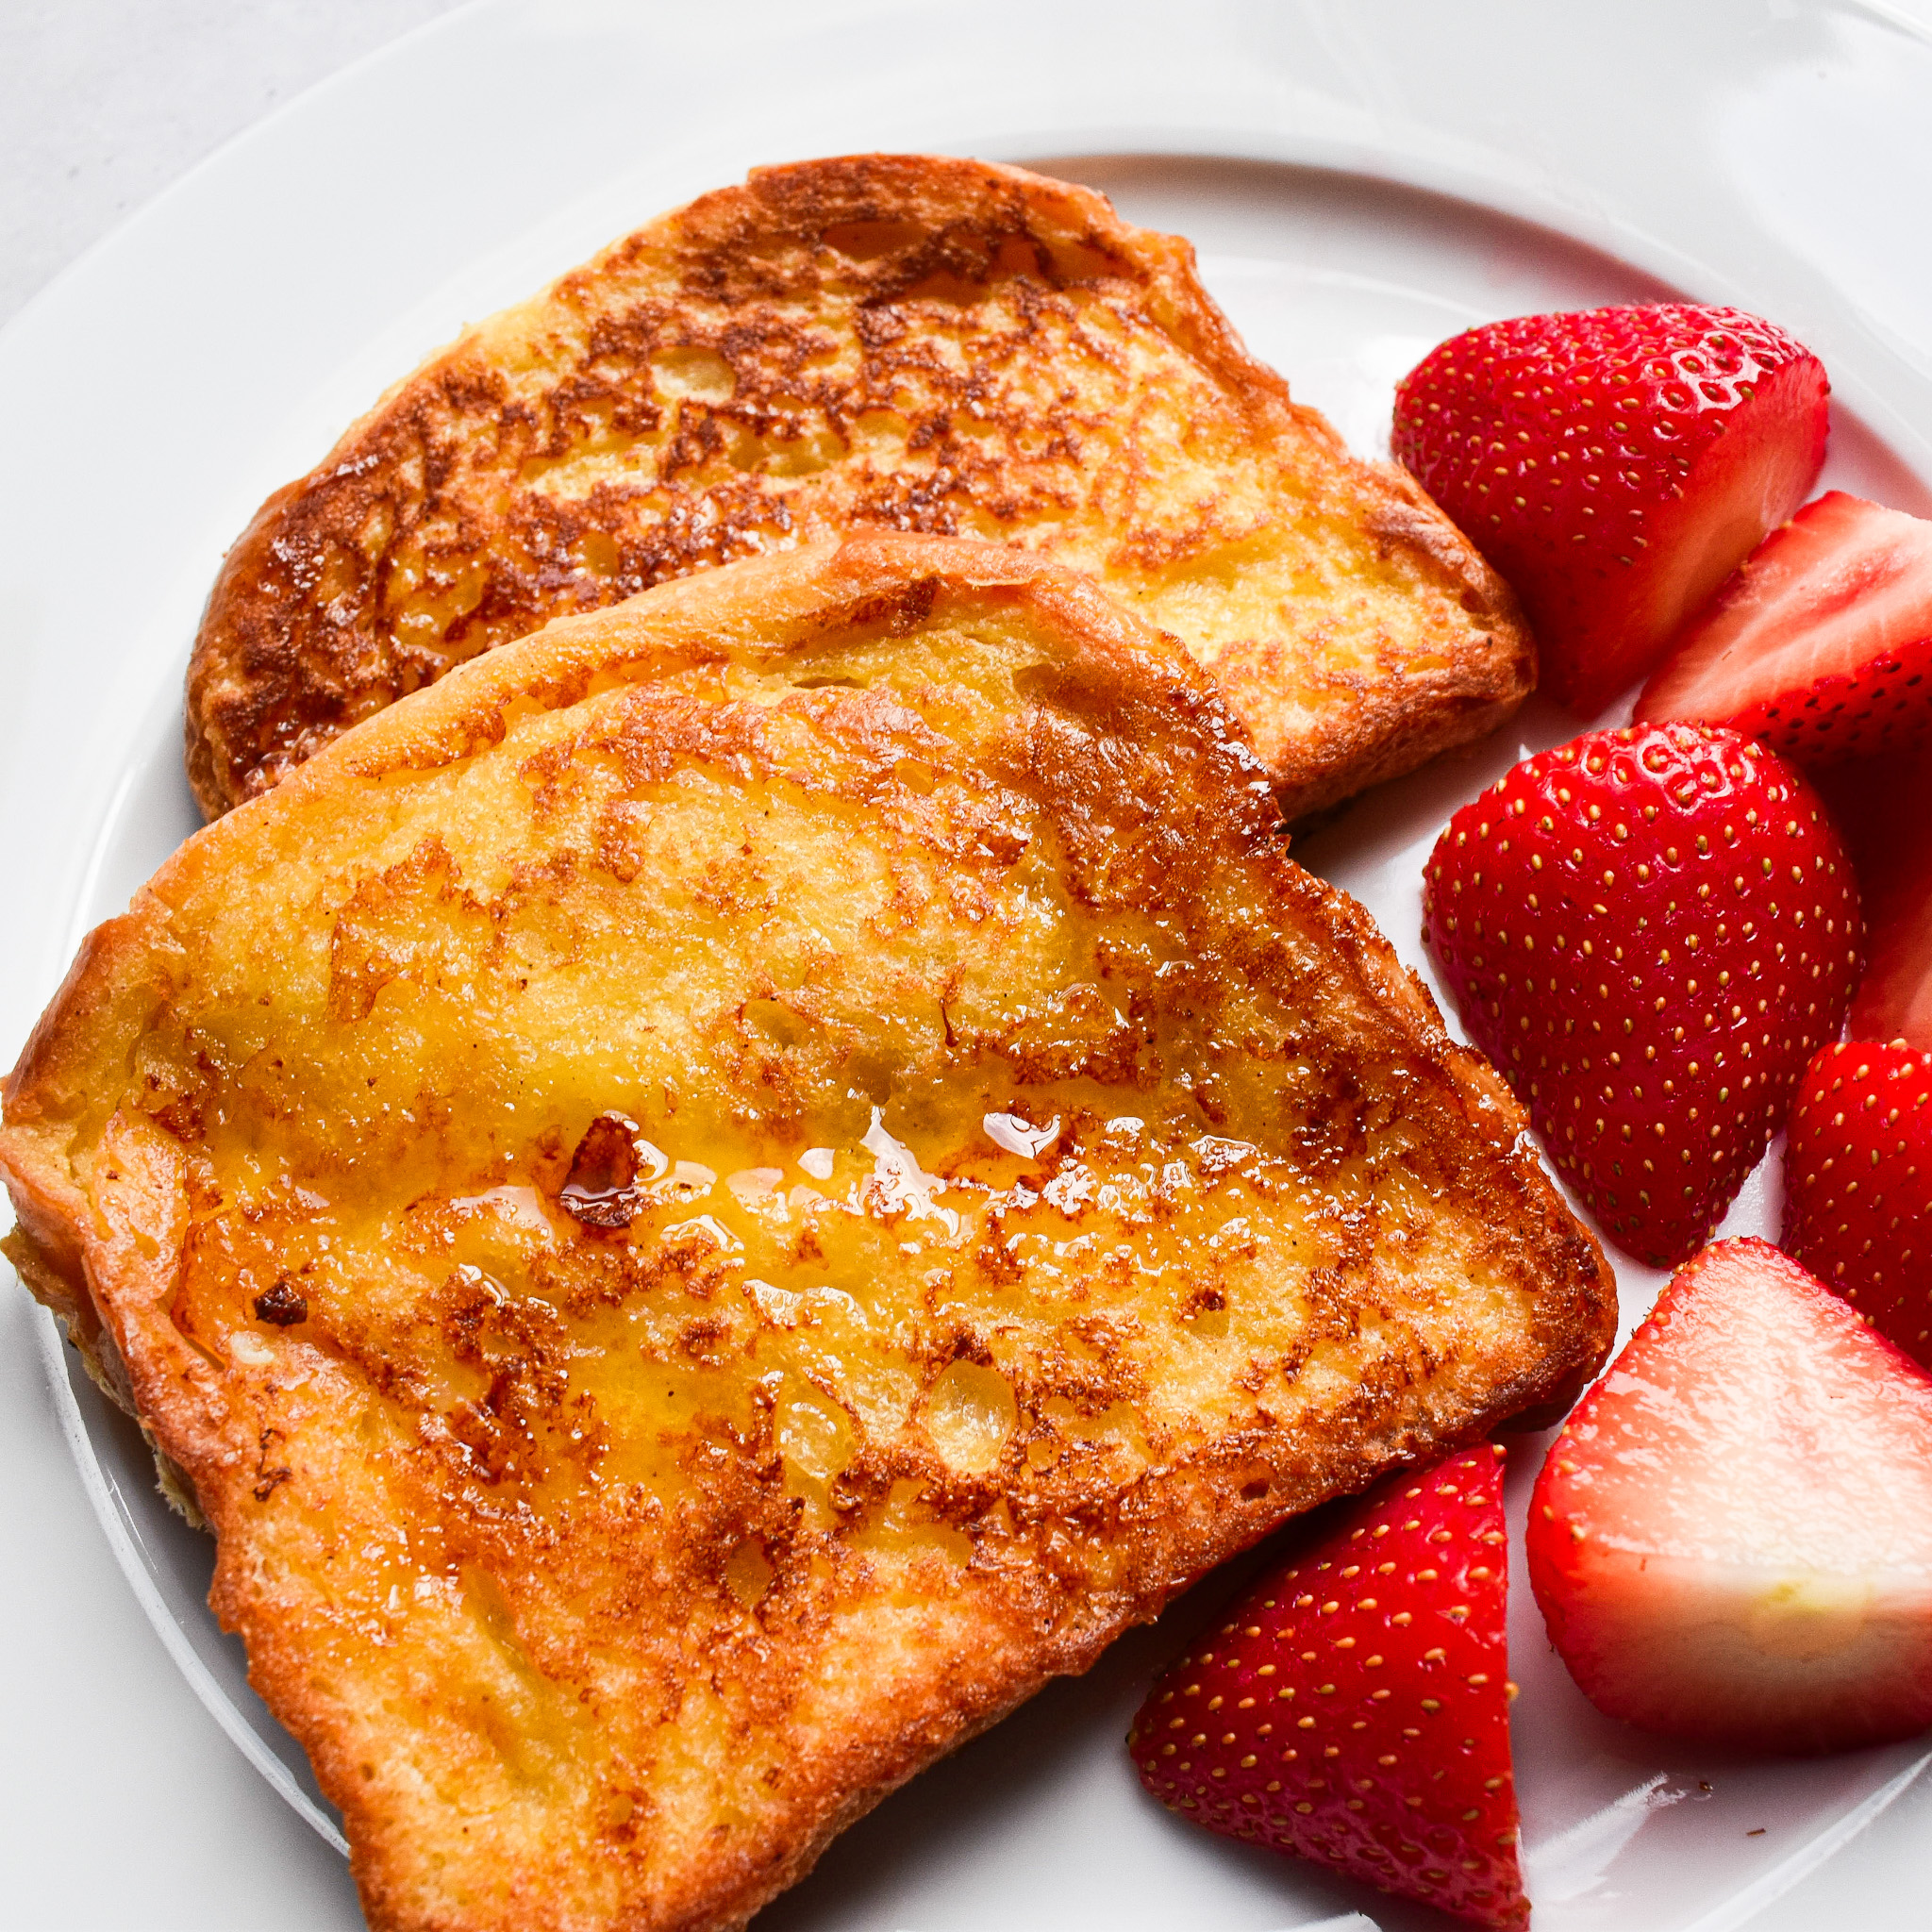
x,y
895,341
709,1201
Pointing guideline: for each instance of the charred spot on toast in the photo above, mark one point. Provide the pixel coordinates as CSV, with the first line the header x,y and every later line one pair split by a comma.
x,y
282,1305
601,1189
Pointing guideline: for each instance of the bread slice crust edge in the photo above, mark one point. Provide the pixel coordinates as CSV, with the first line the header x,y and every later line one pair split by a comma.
x,y
1364,640
90,1249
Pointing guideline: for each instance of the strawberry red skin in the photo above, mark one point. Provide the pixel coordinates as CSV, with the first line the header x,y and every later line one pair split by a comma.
x,y
1859,1185
1821,645
1650,932
1352,1707
1731,1540
1884,807
1895,997
1615,465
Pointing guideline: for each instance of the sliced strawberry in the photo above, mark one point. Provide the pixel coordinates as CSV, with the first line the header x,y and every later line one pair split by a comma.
x,y
1616,466
1732,1537
1650,931
1884,807
1859,1185
1821,642
1895,998
1352,1707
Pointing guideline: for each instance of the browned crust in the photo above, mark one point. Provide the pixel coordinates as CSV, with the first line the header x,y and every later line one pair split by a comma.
x,y
117,1257
420,538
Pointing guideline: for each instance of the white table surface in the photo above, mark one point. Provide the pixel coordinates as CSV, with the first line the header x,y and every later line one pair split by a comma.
x,y
121,1803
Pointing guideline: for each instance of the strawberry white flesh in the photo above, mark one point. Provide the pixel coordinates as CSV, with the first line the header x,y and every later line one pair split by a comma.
x,y
1731,1540
1821,642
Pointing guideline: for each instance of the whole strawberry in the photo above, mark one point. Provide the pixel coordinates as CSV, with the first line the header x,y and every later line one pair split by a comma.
x,y
1859,1185
1616,465
1650,931
1352,1707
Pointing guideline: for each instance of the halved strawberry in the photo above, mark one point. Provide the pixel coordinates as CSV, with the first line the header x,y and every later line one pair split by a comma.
x,y
1352,1707
1884,808
1821,642
1859,1185
1895,998
1650,931
1732,1537
1616,466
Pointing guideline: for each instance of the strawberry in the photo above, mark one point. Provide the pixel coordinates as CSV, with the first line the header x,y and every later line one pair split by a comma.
x,y
1650,931
1821,642
1859,1185
1352,1707
1895,998
1731,1540
1884,807
1616,466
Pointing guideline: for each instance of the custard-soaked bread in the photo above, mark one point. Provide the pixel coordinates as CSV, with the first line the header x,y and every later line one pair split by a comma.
x,y
891,340
710,1201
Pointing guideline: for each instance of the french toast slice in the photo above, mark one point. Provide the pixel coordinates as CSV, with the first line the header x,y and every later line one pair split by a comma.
x,y
706,1203
901,341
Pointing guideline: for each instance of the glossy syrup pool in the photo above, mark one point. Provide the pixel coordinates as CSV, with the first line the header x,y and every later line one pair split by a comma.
x,y
1342,284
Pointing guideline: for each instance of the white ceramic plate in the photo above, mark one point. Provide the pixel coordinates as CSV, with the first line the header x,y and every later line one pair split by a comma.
x,y
1307,151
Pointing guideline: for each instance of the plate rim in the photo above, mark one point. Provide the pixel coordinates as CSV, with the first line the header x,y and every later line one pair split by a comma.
x,y
1410,168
